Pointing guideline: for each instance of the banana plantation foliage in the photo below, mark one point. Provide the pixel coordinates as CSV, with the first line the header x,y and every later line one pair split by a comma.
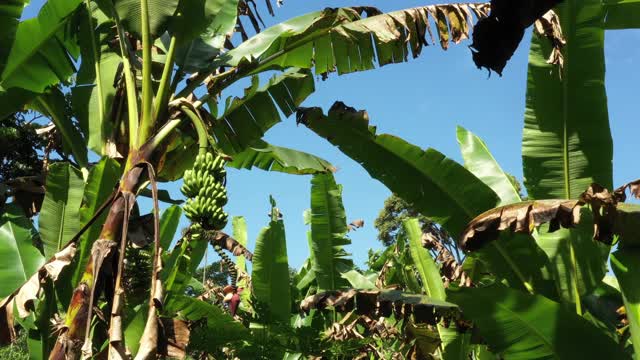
x,y
102,100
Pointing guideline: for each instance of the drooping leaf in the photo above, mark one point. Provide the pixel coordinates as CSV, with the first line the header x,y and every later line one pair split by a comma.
x,y
10,15
160,14
269,157
521,217
59,219
22,298
434,185
521,326
202,27
39,56
515,249
246,119
328,233
345,40
383,302
20,257
270,274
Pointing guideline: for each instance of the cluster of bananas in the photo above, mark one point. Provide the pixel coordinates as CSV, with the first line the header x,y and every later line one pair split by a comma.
x,y
206,193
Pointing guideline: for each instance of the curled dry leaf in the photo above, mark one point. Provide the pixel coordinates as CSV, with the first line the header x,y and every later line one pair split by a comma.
x,y
24,296
174,340
610,217
376,303
549,26
223,240
521,217
356,224
633,187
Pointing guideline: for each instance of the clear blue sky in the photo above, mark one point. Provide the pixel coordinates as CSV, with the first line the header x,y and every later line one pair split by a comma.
x,y
421,101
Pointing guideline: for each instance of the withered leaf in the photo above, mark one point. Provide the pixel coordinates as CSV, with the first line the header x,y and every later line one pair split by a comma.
x,y
520,217
219,238
174,340
24,296
610,217
377,303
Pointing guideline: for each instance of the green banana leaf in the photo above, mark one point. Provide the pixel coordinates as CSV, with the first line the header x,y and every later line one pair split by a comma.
x,y
10,14
217,329
433,184
94,92
269,157
39,56
20,257
454,345
359,281
201,28
566,142
270,275
160,13
621,14
533,265
481,163
169,221
626,266
346,40
246,119
101,182
517,325
328,233
59,219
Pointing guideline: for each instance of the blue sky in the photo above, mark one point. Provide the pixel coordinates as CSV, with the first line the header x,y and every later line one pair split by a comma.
x,y
421,101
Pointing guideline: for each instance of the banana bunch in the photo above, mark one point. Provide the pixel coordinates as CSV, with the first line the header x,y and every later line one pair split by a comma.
x,y
206,193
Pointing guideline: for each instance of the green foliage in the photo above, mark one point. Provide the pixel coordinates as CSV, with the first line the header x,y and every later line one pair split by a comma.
x,y
59,219
20,256
328,233
455,195
270,273
519,325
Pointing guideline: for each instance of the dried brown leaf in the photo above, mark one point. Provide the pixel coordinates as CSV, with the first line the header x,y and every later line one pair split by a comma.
x,y
633,187
377,303
549,26
174,339
223,240
521,217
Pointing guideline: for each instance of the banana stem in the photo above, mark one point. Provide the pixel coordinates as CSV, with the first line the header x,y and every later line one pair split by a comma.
x,y
146,125
203,141
165,83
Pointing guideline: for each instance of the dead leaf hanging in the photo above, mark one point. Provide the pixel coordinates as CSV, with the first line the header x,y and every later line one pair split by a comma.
x,y
376,303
